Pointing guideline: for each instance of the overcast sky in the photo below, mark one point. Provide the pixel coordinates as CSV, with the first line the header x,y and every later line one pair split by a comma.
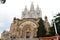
x,y
14,8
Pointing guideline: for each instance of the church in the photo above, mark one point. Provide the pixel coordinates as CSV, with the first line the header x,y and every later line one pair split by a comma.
x,y
26,27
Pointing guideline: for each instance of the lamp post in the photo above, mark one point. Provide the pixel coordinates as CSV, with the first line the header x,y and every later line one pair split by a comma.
x,y
55,28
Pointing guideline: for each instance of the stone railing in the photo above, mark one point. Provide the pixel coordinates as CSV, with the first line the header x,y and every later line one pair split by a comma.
x,y
49,38
26,39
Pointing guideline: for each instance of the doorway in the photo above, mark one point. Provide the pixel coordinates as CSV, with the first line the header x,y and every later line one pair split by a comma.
x,y
28,34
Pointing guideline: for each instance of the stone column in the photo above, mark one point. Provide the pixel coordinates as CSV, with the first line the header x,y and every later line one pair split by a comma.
x,y
31,34
20,33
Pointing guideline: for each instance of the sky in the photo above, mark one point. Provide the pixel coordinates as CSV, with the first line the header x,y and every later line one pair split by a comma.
x,y
14,8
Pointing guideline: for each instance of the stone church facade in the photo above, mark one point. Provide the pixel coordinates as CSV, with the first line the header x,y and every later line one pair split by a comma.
x,y
26,27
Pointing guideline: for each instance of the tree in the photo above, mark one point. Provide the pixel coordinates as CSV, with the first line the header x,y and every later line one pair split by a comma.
x,y
57,22
41,29
52,30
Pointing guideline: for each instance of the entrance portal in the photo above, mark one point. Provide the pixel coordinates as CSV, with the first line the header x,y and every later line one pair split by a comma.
x,y
28,34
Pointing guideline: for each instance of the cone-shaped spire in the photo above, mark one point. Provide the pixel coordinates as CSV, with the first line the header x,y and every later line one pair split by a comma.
x,y
37,7
38,12
25,8
25,12
32,7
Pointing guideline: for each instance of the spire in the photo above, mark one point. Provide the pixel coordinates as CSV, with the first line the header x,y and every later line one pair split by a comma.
x,y
38,12
32,6
25,8
25,12
37,7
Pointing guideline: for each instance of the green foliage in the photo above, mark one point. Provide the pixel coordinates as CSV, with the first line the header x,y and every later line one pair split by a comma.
x,y
52,30
57,22
41,29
